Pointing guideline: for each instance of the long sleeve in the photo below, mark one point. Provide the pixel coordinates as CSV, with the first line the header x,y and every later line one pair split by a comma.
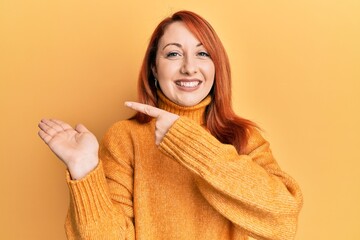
x,y
249,190
101,203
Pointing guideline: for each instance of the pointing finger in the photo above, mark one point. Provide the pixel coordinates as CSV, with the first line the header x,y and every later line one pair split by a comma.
x,y
144,108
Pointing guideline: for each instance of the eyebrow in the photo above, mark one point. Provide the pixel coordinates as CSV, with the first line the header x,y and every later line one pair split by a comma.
x,y
179,45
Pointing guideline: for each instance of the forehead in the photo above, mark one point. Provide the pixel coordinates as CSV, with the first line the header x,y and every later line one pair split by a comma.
x,y
177,32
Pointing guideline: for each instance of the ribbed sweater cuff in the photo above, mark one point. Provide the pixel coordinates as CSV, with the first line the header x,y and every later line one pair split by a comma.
x,y
89,196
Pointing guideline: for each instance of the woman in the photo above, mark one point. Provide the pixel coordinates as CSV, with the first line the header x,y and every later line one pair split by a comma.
x,y
185,166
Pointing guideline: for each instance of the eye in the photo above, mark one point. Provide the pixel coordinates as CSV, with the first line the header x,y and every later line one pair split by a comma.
x,y
173,54
203,54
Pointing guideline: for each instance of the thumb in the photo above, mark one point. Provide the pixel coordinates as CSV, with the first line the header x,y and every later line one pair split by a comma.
x,y
81,128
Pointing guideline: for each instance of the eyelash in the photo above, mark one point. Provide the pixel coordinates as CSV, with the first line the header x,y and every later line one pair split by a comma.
x,y
172,54
175,54
203,54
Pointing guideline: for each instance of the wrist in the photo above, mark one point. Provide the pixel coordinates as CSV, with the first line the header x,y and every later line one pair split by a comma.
x,y
79,169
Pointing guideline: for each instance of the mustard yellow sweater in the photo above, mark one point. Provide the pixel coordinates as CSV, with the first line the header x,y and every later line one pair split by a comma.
x,y
190,187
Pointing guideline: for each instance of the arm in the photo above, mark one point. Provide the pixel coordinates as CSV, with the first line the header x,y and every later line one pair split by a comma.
x,y
101,203
100,191
250,190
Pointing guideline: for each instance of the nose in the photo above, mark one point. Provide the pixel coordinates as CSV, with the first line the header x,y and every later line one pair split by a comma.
x,y
189,66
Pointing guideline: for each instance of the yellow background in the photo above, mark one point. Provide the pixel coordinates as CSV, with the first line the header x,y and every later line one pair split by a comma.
x,y
296,72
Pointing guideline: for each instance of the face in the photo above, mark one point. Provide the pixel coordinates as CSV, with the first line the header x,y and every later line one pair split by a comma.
x,y
183,67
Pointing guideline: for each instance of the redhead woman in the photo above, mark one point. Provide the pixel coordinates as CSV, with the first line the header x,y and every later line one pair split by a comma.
x,y
185,166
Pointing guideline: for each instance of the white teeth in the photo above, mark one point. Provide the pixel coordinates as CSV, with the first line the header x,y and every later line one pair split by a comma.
x,y
188,84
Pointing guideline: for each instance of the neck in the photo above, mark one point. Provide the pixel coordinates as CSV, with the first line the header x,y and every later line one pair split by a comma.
x,y
196,113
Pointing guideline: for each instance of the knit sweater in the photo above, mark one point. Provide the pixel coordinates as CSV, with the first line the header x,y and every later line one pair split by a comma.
x,y
191,186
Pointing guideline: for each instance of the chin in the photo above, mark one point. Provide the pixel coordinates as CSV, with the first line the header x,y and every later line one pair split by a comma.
x,y
188,99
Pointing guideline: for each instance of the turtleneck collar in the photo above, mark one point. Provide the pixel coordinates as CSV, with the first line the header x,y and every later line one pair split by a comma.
x,y
196,113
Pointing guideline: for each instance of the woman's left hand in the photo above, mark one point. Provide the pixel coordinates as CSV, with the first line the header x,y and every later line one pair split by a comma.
x,y
164,119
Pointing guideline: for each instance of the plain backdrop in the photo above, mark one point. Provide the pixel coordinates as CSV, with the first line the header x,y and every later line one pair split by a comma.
x,y
296,72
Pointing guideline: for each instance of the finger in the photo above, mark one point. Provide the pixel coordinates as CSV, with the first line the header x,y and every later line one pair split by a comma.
x,y
44,136
47,129
65,126
158,137
144,108
50,123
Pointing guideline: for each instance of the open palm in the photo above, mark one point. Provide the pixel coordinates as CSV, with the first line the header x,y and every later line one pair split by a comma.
x,y
76,147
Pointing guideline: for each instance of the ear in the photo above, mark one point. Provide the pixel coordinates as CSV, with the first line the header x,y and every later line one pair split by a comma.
x,y
153,69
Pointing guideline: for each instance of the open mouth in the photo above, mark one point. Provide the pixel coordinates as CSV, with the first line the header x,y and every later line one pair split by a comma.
x,y
188,84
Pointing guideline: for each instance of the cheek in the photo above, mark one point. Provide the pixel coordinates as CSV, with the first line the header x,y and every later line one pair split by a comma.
x,y
209,70
166,70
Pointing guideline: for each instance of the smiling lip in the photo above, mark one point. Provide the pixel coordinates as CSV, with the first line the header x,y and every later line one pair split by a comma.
x,y
188,84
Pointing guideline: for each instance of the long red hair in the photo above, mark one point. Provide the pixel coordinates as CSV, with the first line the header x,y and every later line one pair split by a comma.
x,y
220,118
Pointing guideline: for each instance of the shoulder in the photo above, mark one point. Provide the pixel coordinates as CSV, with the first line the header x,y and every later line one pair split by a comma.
x,y
255,140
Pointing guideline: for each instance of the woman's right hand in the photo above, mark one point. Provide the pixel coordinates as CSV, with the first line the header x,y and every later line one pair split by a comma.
x,y
76,147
